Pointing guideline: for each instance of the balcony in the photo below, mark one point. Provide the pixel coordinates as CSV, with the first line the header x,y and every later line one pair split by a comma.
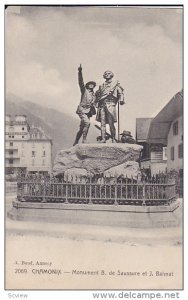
x,y
8,147
11,153
17,133
12,164
12,123
12,156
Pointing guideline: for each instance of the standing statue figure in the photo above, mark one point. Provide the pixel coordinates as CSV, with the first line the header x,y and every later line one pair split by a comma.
x,y
86,107
107,97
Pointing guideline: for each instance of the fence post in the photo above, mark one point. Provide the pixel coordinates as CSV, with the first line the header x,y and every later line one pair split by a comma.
x,y
43,190
115,202
66,189
132,195
90,189
144,194
76,187
126,190
137,187
105,181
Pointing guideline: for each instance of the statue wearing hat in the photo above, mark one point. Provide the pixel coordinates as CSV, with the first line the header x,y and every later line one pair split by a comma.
x,y
127,137
86,107
107,97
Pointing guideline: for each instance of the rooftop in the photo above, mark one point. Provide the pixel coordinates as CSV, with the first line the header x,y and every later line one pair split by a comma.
x,y
142,128
160,125
36,133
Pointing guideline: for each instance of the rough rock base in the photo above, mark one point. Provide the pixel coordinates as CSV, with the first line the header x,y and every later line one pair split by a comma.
x,y
90,159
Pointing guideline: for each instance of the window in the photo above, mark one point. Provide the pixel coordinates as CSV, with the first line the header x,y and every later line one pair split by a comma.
x,y
44,153
181,173
175,128
22,136
10,161
164,153
11,143
180,151
11,152
33,145
12,136
23,128
172,153
33,153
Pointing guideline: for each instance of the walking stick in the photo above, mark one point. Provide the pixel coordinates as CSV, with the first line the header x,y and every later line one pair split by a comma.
x,y
118,124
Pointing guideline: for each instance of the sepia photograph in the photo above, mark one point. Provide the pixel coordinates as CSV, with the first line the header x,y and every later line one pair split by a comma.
x,y
94,147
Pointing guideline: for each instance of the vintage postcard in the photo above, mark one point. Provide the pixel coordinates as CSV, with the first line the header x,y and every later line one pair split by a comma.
x,y
94,147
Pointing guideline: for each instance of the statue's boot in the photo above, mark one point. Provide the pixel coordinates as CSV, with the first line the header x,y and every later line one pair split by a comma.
x,y
102,141
78,136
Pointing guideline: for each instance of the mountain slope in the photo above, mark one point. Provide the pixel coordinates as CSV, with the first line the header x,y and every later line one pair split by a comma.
x,y
59,126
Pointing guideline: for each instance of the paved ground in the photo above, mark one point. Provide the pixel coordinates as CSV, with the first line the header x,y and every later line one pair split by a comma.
x,y
72,247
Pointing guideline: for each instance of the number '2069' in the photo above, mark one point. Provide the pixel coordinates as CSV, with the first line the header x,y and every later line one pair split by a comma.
x,y
20,271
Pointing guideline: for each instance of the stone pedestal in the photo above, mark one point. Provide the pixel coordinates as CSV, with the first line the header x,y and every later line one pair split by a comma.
x,y
90,160
103,215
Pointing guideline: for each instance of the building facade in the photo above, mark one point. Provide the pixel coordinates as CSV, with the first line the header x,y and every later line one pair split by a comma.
x,y
153,156
27,149
162,138
167,128
175,145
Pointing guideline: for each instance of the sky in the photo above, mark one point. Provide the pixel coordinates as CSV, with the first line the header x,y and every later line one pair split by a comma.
x,y
141,45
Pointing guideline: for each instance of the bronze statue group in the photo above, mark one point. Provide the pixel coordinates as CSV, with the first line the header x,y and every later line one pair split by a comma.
x,y
105,99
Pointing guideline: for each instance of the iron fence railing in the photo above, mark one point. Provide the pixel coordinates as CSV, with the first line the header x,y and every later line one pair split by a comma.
x,y
96,190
